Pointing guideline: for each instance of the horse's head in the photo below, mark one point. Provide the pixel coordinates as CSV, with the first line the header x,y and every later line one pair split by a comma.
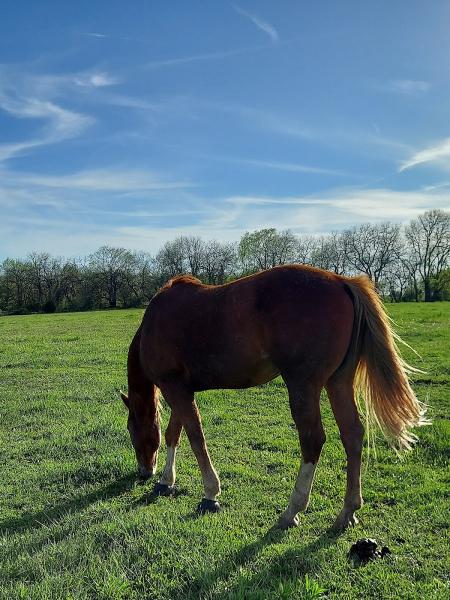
x,y
145,433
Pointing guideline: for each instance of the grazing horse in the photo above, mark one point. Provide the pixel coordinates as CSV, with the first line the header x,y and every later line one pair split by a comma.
x,y
314,328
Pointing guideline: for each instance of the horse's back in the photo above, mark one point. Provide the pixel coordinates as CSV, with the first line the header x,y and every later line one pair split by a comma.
x,y
249,330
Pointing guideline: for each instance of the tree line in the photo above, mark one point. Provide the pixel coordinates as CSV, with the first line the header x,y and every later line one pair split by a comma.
x,y
406,263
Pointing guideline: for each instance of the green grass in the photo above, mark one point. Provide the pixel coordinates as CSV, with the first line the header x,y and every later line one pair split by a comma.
x,y
75,523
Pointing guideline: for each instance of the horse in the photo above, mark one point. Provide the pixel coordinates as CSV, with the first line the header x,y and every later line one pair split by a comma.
x,y
315,328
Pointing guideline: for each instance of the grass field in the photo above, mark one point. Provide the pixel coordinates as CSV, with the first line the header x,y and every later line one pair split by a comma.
x,y
75,522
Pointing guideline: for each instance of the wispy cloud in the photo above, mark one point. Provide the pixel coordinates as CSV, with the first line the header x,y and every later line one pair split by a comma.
x,y
25,95
113,179
94,34
221,54
60,124
349,205
438,154
180,60
436,186
95,80
132,102
262,25
409,87
283,166
345,139
77,212
71,224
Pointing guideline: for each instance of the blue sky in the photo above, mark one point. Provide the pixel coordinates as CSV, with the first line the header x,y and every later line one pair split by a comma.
x,y
131,123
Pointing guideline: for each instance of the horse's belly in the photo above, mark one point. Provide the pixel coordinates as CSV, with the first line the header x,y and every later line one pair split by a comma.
x,y
236,376
262,374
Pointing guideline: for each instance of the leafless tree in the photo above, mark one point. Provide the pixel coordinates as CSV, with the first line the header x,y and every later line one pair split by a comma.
x,y
109,267
370,248
169,261
193,249
428,237
219,262
305,248
330,253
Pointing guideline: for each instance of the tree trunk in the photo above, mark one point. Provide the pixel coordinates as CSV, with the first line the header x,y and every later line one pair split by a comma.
x,y
427,289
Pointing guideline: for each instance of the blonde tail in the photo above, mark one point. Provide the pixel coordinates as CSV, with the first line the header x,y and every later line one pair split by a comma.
x,y
381,374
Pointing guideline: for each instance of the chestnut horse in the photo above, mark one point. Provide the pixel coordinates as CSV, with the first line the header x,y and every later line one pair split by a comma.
x,y
314,328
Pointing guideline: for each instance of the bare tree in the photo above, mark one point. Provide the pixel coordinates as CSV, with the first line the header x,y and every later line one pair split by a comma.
x,y
109,266
428,237
193,249
38,268
145,276
370,249
330,253
305,248
397,278
219,261
169,261
411,264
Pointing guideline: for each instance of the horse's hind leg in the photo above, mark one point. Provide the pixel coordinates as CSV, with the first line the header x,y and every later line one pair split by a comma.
x,y
172,437
304,401
341,394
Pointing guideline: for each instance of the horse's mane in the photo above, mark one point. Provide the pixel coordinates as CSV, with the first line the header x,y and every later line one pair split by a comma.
x,y
182,279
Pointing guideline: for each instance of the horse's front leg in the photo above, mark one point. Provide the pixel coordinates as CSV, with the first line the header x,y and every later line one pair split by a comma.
x,y
185,409
165,486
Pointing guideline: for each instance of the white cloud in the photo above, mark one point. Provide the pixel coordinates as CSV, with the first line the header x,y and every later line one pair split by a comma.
x,y
346,206
438,154
95,80
25,96
113,179
180,60
70,222
95,35
60,124
365,141
264,26
283,166
436,186
410,87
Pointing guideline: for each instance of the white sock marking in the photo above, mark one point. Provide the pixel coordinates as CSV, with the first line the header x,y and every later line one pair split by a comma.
x,y
302,489
169,473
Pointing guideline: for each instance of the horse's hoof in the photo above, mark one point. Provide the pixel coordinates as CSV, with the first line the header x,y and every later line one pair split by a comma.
x,y
345,521
162,489
207,506
285,523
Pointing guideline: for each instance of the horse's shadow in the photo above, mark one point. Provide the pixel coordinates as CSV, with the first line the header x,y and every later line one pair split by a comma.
x,y
29,520
206,580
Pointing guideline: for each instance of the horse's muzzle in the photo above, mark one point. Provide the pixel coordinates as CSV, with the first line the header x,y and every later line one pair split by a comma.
x,y
145,473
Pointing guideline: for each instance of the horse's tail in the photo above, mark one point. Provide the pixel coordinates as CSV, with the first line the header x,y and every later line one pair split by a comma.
x,y
381,375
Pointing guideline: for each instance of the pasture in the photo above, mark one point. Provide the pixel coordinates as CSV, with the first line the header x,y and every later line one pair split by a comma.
x,y
76,523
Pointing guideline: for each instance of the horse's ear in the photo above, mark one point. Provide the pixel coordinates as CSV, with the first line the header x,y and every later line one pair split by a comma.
x,y
124,398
